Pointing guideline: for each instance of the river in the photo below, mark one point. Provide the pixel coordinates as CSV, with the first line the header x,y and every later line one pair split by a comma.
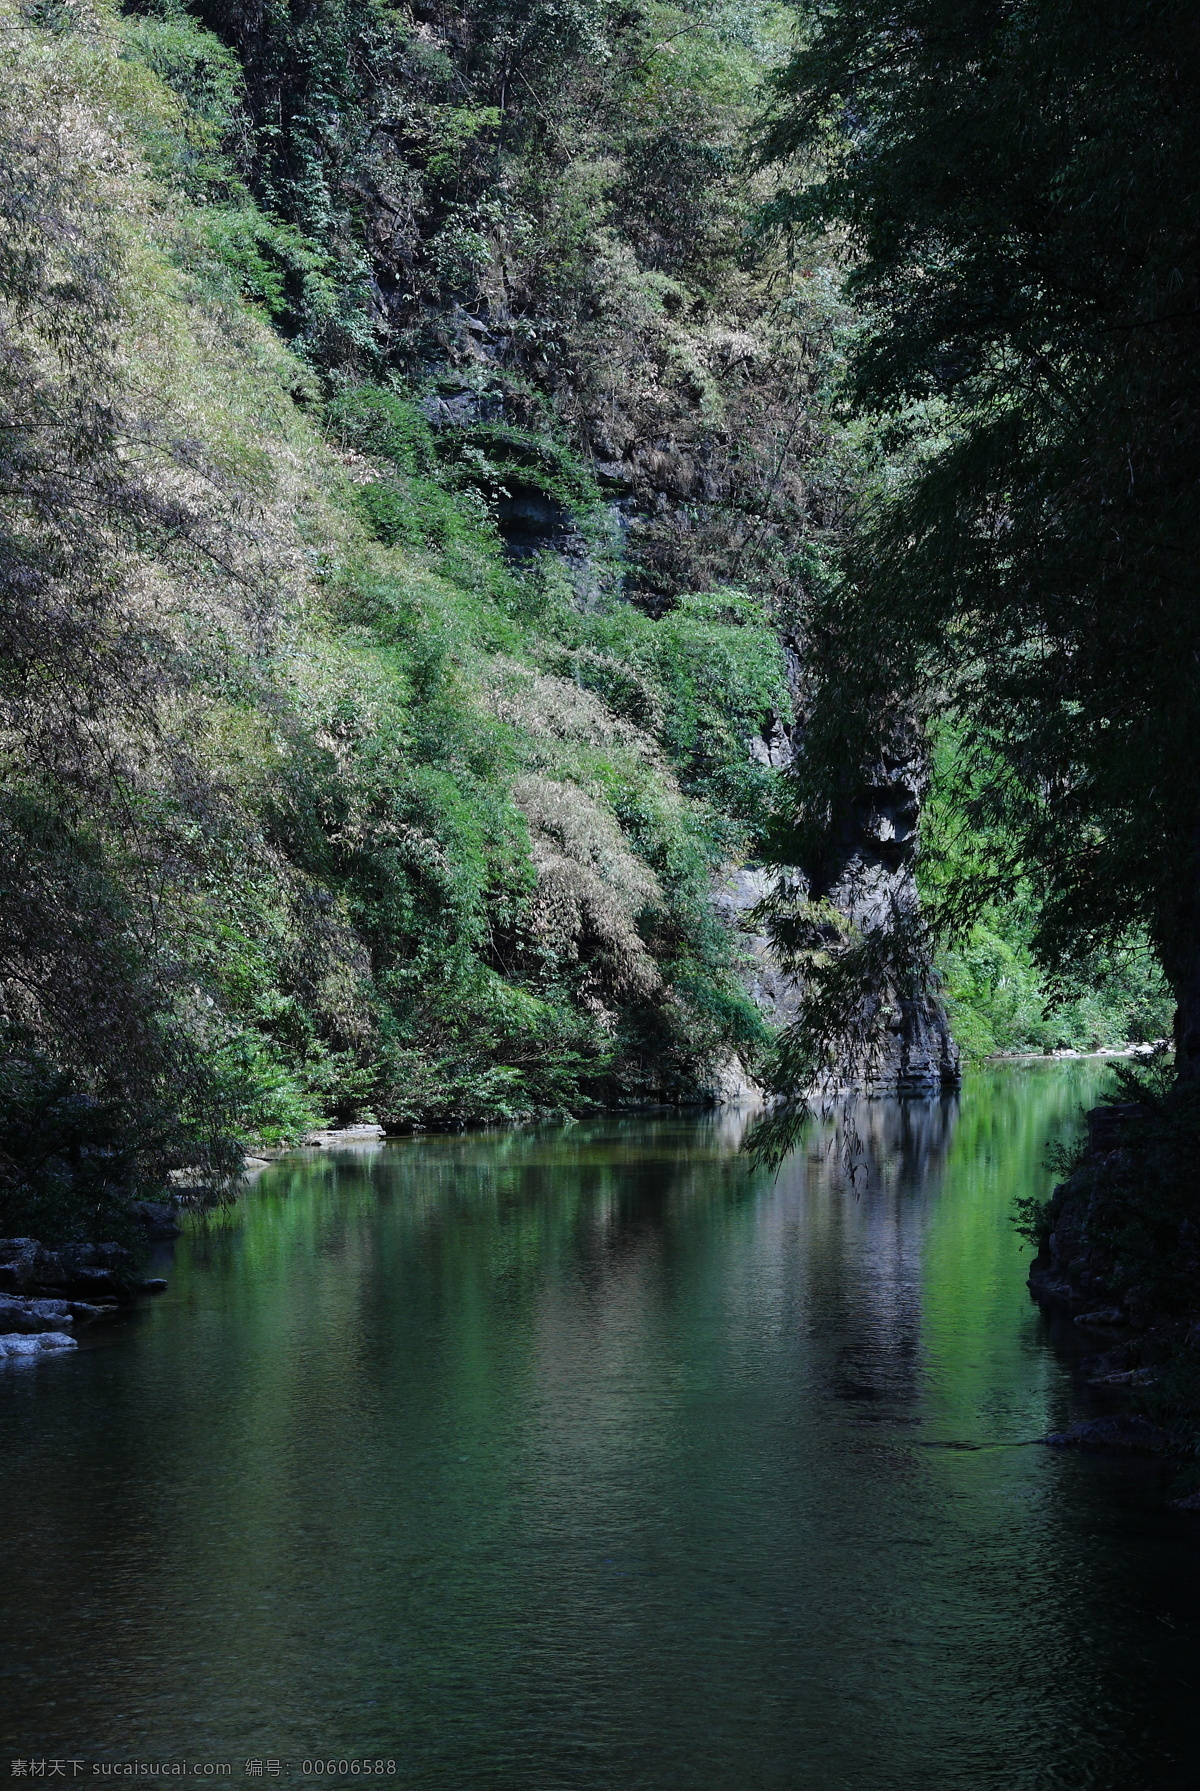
x,y
591,1458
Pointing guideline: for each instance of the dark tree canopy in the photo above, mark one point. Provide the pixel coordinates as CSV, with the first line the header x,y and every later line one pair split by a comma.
x,y
1017,187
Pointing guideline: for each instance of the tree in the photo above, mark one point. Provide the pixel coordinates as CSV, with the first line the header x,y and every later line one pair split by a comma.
x,y
1014,186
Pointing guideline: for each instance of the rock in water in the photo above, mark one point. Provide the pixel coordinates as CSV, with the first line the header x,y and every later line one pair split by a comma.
x,y
28,1315
19,1343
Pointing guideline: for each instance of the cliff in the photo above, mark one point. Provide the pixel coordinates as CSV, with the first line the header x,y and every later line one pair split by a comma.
x,y
411,466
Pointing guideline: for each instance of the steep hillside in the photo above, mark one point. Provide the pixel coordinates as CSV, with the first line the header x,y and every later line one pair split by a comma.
x,y
367,748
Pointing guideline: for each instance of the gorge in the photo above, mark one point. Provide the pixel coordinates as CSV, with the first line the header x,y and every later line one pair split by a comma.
x,y
598,646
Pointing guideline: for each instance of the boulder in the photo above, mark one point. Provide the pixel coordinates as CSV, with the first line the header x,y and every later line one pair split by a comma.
x,y
88,1270
1103,1318
30,1316
18,1343
18,1257
335,1135
157,1217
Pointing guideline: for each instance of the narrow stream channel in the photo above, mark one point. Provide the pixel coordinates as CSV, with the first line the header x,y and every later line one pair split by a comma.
x,y
590,1458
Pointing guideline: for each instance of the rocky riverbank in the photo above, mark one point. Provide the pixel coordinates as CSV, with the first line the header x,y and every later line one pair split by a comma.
x,y
1119,1257
47,1293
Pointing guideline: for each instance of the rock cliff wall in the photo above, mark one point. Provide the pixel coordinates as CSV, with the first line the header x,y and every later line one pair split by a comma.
x,y
866,870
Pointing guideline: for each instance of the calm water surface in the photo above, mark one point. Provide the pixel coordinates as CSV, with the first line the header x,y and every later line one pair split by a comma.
x,y
588,1458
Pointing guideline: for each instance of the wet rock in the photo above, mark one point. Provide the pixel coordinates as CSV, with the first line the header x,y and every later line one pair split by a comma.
x,y
333,1135
1109,1361
158,1219
1102,1318
1190,1503
155,1285
1124,1430
1107,1125
18,1257
87,1270
30,1316
1048,1285
17,1344
93,1282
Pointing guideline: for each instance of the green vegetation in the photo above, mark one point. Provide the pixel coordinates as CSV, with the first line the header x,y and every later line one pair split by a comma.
x,y
1012,182
1000,997
1007,186
386,619
417,448
1011,187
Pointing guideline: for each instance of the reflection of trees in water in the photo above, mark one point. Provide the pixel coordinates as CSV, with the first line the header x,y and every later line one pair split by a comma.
x,y
599,1235
883,1143
858,1187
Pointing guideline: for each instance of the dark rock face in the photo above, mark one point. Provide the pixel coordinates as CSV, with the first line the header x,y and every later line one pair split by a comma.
x,y
867,873
1071,1274
73,1272
1062,1279
459,409
915,1053
1106,1125
531,523
157,1218
1121,1260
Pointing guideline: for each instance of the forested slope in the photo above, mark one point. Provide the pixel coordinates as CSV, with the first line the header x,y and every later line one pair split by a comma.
x,y
378,394
419,460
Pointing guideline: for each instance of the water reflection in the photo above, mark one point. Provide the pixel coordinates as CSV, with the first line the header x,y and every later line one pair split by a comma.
x,y
593,1458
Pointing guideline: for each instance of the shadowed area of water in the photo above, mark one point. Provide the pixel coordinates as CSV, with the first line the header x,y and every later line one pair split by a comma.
x,y
590,1458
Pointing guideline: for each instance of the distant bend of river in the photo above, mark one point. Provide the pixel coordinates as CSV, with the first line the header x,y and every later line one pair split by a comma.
x,y
590,1458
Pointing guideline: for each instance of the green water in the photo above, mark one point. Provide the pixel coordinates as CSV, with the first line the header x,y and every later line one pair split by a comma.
x,y
589,1458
